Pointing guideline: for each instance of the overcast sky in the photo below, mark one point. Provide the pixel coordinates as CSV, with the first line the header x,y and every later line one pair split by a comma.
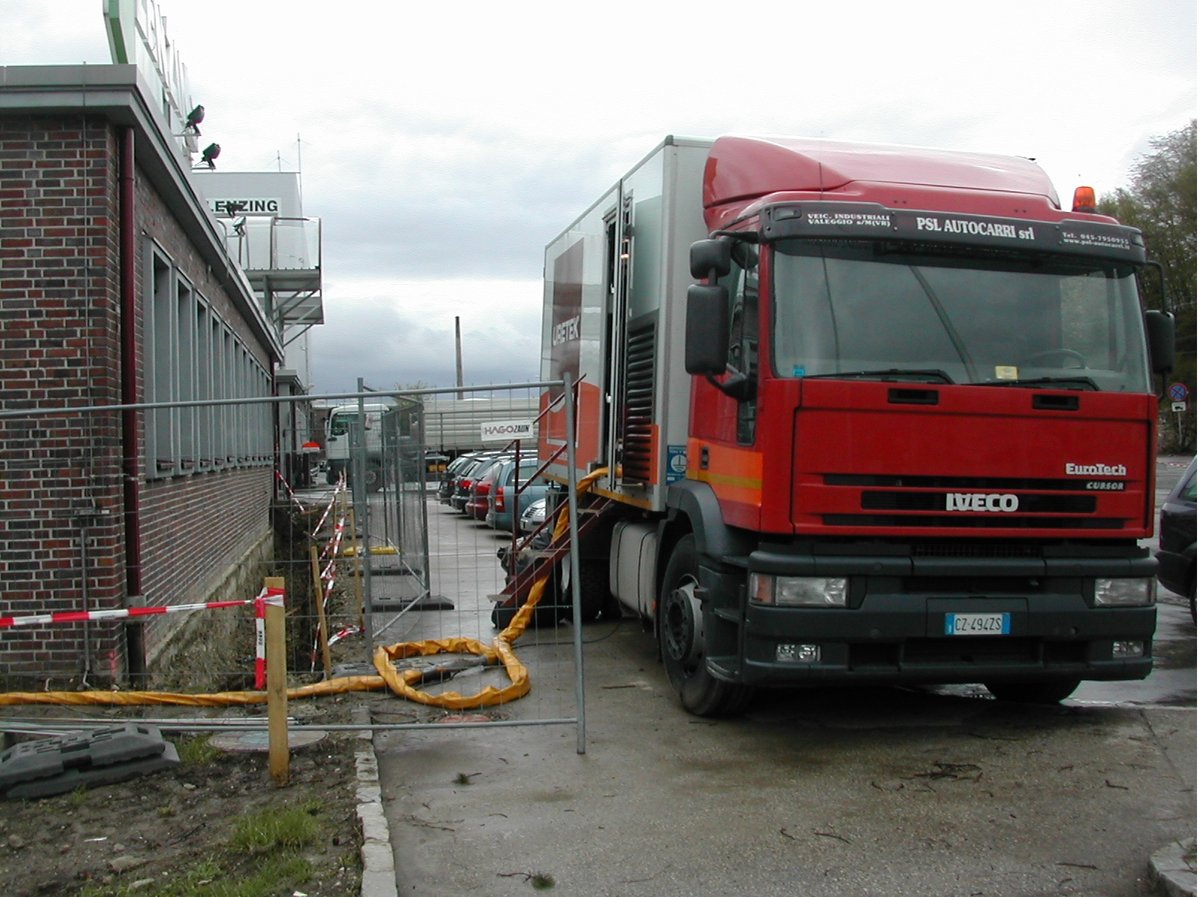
x,y
444,144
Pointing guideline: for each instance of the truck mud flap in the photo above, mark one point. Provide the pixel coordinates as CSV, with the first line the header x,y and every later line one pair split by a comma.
x,y
83,760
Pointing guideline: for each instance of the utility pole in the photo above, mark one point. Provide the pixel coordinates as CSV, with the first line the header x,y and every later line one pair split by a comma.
x,y
458,355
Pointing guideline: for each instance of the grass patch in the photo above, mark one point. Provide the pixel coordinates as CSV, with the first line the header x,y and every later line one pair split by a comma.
x,y
197,751
272,830
213,878
263,860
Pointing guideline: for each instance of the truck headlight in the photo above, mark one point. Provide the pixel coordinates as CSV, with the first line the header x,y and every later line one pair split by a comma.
x,y
1125,592
798,591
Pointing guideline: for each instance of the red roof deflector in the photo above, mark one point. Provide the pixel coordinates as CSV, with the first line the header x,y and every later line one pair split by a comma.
x,y
742,169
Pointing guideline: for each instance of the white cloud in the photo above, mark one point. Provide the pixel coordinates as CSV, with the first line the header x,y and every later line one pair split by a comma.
x,y
402,333
451,143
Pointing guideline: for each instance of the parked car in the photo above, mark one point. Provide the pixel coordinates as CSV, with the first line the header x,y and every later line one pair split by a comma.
x,y
485,478
503,498
532,517
450,476
1177,539
465,483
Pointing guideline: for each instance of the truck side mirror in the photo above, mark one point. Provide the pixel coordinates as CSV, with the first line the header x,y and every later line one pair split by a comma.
x,y
709,257
1160,332
706,332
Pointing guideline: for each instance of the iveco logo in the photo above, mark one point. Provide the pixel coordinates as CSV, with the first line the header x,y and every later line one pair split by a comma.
x,y
982,501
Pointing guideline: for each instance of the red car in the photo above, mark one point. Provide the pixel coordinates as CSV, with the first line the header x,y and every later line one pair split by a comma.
x,y
480,488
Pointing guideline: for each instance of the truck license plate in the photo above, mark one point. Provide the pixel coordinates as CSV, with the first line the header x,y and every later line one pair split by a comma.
x,y
978,624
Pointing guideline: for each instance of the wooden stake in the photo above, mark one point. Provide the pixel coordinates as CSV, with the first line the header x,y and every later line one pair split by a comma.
x,y
278,755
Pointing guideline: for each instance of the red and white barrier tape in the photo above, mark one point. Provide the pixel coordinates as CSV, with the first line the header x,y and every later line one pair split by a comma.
x,y
265,597
292,495
344,633
334,545
85,616
341,485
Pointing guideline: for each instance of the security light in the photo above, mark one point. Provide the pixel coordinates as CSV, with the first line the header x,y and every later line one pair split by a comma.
x,y
194,118
210,153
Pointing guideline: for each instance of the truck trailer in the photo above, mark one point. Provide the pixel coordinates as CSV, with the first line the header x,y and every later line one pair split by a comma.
x,y
867,414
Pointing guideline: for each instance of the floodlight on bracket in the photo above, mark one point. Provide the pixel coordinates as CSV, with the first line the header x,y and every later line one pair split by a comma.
x,y
208,157
192,123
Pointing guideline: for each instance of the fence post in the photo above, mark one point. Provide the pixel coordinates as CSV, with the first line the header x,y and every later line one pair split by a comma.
x,y
355,549
277,732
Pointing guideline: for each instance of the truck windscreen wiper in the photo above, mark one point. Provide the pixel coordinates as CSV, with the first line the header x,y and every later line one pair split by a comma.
x,y
1048,382
928,375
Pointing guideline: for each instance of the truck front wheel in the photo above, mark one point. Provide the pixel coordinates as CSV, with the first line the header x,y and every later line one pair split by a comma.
x,y
373,477
681,640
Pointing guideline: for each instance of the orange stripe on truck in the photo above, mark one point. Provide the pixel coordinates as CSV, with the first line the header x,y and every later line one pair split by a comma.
x,y
735,474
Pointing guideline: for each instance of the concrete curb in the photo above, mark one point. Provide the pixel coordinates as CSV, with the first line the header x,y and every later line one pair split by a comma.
x,y
1173,869
379,865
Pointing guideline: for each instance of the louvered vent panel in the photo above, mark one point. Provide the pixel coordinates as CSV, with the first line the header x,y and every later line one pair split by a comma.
x,y
637,459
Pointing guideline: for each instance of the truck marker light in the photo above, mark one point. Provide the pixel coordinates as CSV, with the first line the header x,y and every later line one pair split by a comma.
x,y
1128,650
1084,200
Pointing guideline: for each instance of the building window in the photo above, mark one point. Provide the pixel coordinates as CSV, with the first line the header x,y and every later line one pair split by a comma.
x,y
186,366
228,412
161,449
192,355
204,386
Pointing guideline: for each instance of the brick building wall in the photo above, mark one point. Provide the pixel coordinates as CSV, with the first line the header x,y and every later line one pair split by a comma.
x,y
59,333
61,475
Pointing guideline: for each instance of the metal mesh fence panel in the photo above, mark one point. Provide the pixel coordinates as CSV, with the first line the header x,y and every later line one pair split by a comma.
x,y
379,557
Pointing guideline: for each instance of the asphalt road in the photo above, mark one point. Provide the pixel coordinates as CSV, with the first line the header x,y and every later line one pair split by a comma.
x,y
827,792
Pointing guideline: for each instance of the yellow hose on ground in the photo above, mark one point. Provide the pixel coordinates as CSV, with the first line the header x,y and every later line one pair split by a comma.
x,y
400,683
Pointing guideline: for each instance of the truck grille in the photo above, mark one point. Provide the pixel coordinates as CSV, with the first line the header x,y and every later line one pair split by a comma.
x,y
953,502
941,521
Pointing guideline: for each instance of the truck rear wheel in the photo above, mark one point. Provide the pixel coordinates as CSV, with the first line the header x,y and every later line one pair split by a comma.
x,y
1049,692
681,640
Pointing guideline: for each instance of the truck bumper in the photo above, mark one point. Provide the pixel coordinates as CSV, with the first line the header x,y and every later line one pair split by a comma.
x,y
894,627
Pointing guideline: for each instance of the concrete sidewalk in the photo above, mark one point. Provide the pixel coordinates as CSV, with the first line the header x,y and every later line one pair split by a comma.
x,y
820,793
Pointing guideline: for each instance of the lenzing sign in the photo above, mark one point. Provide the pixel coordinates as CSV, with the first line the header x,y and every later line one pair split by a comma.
x,y
506,430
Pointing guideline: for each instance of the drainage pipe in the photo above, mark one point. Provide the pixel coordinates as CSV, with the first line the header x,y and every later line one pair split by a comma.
x,y
126,202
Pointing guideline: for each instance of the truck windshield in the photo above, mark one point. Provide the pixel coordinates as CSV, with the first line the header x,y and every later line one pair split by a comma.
x,y
858,309
340,424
